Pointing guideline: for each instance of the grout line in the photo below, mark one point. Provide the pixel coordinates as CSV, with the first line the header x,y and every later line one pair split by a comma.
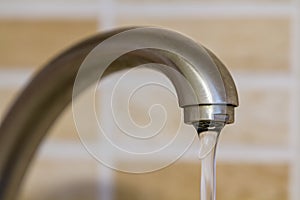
x,y
227,153
106,20
106,175
14,77
294,141
254,154
211,10
63,150
23,10
107,14
262,81
99,18
109,9
244,80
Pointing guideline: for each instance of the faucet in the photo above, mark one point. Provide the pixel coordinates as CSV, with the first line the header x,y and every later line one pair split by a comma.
x,y
205,90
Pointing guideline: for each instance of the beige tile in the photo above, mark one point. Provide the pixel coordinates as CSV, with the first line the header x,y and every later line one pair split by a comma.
x,y
7,96
179,181
65,127
244,44
56,179
31,43
252,182
61,179
182,181
262,119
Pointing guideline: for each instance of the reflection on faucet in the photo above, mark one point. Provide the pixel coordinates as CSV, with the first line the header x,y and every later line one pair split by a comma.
x,y
204,87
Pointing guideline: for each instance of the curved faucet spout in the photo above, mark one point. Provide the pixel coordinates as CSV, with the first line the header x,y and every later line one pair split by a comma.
x,y
205,89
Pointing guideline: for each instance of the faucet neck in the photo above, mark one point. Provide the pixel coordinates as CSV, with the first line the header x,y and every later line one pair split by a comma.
x,y
204,87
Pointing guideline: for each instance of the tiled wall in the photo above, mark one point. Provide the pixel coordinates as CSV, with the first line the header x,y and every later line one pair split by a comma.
x,y
75,179
256,182
256,49
59,179
30,43
236,41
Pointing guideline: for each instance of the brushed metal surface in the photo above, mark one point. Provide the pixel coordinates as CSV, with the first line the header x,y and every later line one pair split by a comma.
x,y
204,88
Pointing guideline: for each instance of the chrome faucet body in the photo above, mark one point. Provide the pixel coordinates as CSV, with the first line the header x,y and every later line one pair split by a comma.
x,y
205,90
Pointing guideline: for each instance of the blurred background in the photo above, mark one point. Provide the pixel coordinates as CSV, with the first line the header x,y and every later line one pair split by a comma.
x,y
259,41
